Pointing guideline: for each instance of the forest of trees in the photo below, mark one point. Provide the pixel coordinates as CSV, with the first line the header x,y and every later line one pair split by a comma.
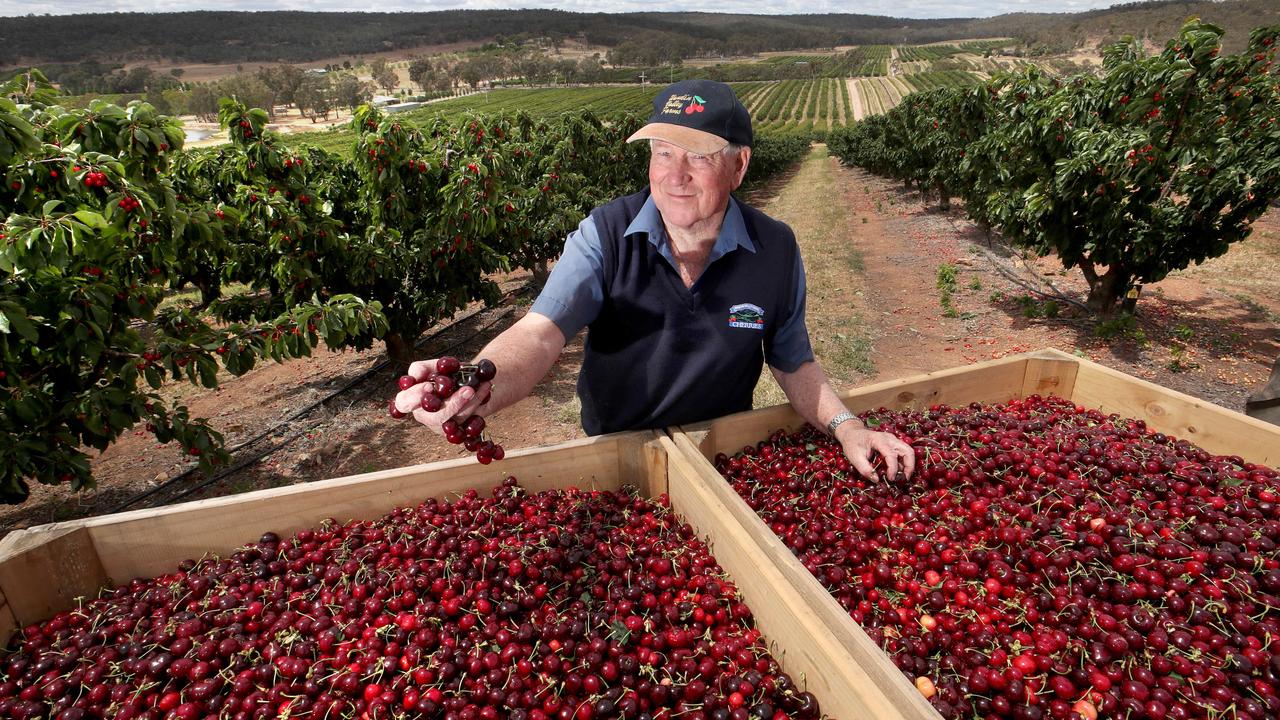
x,y
299,37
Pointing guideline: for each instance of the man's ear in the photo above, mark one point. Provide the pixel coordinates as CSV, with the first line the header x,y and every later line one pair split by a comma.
x,y
740,171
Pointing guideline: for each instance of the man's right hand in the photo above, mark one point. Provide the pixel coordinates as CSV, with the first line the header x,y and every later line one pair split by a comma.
x,y
462,404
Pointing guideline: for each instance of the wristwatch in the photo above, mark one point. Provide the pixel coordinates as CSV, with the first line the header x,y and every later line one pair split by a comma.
x,y
839,420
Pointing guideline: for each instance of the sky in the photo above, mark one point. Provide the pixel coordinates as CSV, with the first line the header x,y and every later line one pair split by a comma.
x,y
894,8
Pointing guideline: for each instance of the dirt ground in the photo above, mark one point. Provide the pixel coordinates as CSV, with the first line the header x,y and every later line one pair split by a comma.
x,y
1211,331
288,122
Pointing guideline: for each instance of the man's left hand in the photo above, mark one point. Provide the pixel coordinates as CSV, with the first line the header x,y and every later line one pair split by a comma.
x,y
860,444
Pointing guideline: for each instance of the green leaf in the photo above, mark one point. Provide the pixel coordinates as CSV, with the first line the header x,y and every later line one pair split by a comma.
x,y
92,219
208,372
619,632
16,319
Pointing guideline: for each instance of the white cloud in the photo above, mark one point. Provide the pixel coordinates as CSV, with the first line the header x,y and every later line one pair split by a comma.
x,y
895,8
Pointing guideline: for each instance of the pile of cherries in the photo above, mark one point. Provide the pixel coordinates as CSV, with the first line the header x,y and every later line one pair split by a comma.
x,y
451,374
1046,561
567,604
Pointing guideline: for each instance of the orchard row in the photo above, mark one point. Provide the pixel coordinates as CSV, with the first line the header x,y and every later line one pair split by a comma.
x,y
102,214
1159,162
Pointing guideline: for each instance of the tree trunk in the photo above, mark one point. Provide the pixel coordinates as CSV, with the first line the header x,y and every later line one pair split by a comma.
x,y
210,290
1106,290
986,232
400,350
540,273
944,199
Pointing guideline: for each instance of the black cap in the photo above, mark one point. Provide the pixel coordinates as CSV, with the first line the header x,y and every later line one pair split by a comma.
x,y
701,116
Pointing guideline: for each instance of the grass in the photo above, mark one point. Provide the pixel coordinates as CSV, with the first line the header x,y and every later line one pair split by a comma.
x,y
569,413
855,352
853,258
1178,362
189,296
946,282
1255,306
340,140
842,341
1120,326
1032,308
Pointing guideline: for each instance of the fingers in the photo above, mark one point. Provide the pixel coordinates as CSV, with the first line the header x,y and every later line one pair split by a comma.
x,y
453,408
908,455
889,452
410,400
861,462
421,369
479,397
899,457
462,404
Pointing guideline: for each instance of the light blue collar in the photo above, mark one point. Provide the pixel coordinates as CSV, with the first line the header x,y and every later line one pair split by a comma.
x,y
733,231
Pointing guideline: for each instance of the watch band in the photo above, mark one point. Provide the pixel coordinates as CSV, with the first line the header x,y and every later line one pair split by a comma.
x,y
839,420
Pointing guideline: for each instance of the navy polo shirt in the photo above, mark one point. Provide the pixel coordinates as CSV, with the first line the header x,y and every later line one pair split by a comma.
x,y
657,353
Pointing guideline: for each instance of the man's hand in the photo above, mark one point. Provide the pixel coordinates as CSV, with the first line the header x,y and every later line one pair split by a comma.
x,y
860,444
462,404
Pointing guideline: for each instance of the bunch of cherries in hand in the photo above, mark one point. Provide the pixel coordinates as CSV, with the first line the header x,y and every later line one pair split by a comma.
x,y
451,374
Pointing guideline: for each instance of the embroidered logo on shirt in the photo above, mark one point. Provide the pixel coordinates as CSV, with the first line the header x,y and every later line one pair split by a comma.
x,y
746,315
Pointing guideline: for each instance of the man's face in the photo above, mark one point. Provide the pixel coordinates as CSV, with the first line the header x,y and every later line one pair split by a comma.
x,y
690,189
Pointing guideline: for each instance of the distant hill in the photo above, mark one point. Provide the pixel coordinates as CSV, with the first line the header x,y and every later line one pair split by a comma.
x,y
299,37
1155,22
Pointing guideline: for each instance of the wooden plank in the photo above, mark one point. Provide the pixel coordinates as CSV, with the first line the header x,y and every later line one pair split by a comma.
x,y
1050,372
992,381
8,622
816,640
652,459
1214,428
148,542
45,569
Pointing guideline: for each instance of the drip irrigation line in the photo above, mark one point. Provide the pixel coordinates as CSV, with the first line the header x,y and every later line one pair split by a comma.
x,y
378,367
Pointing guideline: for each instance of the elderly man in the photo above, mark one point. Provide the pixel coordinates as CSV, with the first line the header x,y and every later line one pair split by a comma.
x,y
684,291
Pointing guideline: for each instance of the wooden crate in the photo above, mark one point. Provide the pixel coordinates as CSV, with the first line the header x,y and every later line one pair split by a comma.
x,y
43,570
1046,372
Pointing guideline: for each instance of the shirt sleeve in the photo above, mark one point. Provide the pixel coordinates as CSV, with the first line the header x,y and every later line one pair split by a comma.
x,y
574,291
790,347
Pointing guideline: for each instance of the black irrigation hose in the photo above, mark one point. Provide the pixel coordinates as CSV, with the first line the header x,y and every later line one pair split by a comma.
x,y
305,410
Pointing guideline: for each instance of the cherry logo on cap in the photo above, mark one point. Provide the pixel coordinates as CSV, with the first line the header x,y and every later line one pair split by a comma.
x,y
695,106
